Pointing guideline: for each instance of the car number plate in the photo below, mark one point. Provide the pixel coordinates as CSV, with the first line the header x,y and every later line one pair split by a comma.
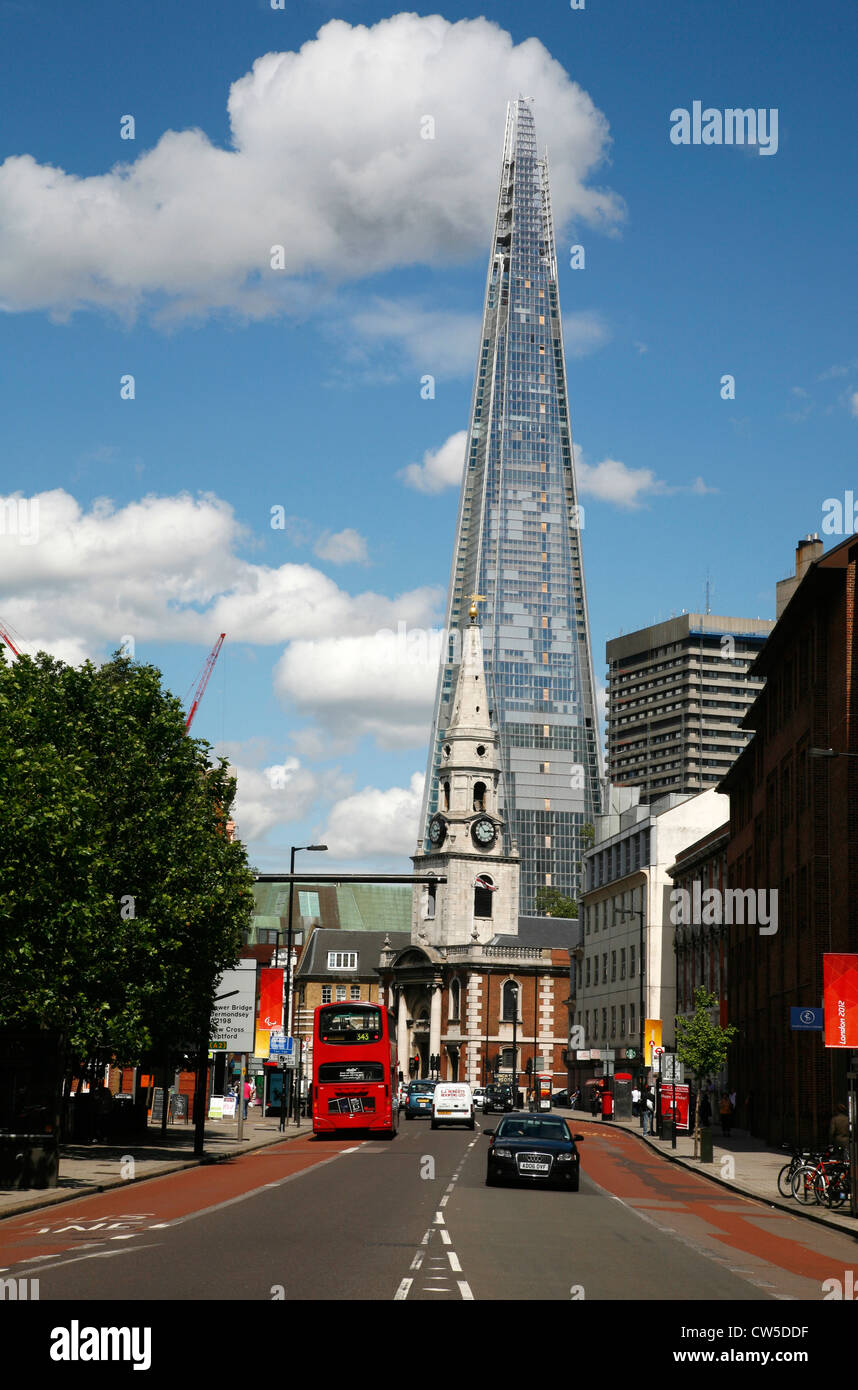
x,y
535,1167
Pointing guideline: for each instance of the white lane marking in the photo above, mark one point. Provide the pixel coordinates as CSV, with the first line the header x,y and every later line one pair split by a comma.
x,y
444,1200
352,1150
445,1289
124,1237
447,1238
454,1261
439,1218
465,1289
417,1261
402,1291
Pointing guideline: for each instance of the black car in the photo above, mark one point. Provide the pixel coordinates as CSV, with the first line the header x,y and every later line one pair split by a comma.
x,y
418,1099
533,1149
560,1100
498,1098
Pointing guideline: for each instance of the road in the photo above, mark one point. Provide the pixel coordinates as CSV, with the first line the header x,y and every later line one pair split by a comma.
x,y
411,1220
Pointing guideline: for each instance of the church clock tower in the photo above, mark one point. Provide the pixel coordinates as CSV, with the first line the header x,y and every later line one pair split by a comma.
x,y
469,838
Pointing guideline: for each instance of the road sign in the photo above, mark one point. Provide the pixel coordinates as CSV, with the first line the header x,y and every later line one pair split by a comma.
x,y
672,1070
233,1013
806,1019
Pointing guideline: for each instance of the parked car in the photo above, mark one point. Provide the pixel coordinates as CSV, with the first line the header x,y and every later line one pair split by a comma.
x,y
452,1104
418,1100
561,1101
533,1149
498,1098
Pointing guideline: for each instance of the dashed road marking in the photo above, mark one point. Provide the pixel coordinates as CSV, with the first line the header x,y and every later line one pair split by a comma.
x,y
465,1290
402,1291
447,1238
454,1261
439,1218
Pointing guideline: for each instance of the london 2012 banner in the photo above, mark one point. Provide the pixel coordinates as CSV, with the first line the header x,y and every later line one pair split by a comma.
x,y
840,999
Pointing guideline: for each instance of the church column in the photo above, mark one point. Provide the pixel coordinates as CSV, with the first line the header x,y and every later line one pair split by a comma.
x,y
435,1021
402,1034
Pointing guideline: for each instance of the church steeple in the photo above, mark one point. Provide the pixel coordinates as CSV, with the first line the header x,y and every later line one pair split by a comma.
x,y
468,834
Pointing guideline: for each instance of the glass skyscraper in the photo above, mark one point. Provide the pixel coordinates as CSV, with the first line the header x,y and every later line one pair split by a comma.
x,y
518,543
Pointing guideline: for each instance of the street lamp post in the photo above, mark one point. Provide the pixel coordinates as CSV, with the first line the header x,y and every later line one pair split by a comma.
x,y
296,849
515,1044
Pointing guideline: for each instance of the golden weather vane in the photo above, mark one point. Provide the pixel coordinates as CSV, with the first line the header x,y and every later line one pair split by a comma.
x,y
472,611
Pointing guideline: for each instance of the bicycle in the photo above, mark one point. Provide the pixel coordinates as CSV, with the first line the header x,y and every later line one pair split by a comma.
x,y
785,1176
834,1187
810,1180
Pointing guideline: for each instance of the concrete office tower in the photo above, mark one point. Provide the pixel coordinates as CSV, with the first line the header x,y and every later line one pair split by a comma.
x,y
518,543
677,695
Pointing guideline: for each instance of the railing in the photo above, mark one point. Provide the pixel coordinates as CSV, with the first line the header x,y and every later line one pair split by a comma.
x,y
497,952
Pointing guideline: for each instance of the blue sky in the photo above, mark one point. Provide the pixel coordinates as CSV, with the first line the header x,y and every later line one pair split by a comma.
x,y
257,389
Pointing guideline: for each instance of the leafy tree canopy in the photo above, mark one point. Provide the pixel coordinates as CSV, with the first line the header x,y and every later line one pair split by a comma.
x,y
551,903
701,1044
121,898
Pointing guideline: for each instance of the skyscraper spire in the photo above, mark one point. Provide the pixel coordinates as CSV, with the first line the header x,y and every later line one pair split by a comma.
x,y
518,543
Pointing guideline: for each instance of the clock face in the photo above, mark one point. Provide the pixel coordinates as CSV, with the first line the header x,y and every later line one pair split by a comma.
x,y
437,829
484,832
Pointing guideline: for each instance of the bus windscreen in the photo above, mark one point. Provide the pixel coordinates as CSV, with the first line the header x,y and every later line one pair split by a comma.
x,y
350,1024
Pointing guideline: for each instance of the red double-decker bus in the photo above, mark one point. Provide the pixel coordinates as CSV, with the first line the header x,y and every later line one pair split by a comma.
x,y
354,1069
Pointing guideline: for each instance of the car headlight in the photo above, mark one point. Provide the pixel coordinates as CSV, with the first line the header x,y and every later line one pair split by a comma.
x,y
565,1158
503,1153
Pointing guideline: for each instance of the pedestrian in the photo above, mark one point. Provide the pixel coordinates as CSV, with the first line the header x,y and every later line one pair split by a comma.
x,y
647,1109
636,1099
596,1102
725,1110
838,1130
248,1092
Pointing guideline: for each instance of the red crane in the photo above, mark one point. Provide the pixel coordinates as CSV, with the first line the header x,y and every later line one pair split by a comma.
x,y
204,679
4,637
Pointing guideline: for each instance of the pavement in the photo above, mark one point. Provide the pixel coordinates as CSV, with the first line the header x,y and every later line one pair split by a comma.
x,y
87,1168
740,1162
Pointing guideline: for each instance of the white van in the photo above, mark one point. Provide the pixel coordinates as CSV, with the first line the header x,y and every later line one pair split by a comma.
x,y
452,1104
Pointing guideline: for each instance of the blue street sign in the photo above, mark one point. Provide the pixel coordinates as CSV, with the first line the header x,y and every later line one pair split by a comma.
x,y
806,1020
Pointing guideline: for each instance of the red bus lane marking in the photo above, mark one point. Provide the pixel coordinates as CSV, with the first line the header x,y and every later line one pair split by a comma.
x,y
155,1202
642,1179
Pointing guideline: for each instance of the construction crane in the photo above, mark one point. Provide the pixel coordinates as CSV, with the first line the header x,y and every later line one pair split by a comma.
x,y
4,637
204,679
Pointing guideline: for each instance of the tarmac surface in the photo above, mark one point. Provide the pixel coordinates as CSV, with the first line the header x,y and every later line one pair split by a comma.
x,y
740,1163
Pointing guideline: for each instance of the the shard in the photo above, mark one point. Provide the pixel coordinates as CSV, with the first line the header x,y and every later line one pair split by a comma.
x,y
518,544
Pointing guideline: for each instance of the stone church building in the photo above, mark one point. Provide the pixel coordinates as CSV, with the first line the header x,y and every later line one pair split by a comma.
x,y
477,980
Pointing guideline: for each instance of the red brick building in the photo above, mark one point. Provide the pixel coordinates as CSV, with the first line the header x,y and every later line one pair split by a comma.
x,y
794,833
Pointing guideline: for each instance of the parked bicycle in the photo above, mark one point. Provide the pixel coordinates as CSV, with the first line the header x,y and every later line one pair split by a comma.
x,y
811,1179
788,1172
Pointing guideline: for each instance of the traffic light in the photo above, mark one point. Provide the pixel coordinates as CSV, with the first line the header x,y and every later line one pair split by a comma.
x,y
529,1066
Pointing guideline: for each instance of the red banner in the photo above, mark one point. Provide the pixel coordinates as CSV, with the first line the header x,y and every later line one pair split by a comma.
x,y
840,1000
270,999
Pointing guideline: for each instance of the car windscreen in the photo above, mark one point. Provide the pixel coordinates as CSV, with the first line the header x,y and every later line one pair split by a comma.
x,y
421,1088
532,1129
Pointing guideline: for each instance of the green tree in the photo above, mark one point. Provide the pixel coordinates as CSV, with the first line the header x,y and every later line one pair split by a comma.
x,y
121,897
552,903
703,1045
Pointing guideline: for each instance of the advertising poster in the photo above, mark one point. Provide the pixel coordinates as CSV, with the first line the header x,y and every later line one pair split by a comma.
x,y
677,1104
652,1036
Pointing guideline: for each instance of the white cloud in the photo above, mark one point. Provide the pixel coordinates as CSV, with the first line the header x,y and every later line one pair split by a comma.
x,y
853,402
374,823
381,685
168,569
280,794
326,160
346,547
583,333
441,468
613,481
